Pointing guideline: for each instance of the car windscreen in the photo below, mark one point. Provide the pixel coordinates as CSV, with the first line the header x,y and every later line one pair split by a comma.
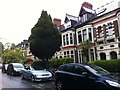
x,y
18,66
97,70
38,68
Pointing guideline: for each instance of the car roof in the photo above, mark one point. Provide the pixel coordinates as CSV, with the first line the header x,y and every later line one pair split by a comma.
x,y
16,63
75,64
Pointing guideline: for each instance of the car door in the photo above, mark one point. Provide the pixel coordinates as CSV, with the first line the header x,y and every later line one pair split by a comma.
x,y
83,79
65,75
68,75
27,73
9,69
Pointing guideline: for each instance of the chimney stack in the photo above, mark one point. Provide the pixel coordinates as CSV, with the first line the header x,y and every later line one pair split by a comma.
x,y
87,5
57,22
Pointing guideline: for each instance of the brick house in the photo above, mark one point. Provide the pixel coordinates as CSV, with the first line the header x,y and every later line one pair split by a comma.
x,y
99,26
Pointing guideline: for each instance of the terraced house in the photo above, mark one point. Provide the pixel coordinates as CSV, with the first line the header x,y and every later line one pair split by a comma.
x,y
101,27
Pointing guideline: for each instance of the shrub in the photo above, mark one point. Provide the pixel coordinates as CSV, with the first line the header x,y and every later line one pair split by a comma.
x,y
38,63
55,63
110,65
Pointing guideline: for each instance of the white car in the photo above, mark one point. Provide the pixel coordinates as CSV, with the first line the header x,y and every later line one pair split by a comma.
x,y
38,74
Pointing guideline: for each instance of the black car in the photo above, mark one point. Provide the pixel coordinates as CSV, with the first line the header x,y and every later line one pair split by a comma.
x,y
85,77
4,68
15,68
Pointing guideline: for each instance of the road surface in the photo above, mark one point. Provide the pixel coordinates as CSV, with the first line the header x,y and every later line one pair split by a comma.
x,y
9,82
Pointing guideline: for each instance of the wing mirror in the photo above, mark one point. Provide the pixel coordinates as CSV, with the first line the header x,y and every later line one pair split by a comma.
x,y
85,73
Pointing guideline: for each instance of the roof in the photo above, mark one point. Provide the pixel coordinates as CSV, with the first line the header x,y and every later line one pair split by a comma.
x,y
89,10
107,7
71,17
101,11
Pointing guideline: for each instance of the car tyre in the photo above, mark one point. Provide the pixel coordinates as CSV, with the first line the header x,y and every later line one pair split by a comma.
x,y
32,78
12,74
59,85
2,71
8,73
22,76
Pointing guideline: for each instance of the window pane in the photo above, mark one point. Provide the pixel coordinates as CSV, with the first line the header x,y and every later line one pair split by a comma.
x,y
110,30
71,38
100,31
90,34
67,40
64,40
84,35
79,37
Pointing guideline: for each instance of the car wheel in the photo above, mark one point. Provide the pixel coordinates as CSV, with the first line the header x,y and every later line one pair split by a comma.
x,y
22,76
59,85
32,78
7,73
12,73
2,71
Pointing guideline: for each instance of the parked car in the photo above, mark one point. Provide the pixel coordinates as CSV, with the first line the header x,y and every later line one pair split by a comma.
x,y
15,68
1,65
36,74
85,77
4,68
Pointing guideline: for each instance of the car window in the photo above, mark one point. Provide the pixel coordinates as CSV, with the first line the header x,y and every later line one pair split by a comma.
x,y
10,66
79,69
18,66
37,68
70,68
67,68
97,70
62,68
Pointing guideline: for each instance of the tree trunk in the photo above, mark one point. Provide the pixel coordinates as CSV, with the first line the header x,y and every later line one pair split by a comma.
x,y
45,63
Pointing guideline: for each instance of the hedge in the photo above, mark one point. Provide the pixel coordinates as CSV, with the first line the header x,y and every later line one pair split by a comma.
x,y
55,63
112,66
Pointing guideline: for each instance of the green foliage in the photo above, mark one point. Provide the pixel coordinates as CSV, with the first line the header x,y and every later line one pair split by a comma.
x,y
26,61
38,64
12,56
85,47
110,65
45,38
57,62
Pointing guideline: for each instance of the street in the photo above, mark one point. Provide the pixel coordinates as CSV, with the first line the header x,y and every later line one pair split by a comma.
x,y
9,82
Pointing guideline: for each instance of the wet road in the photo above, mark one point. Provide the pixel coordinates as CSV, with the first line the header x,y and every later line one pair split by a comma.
x,y
10,82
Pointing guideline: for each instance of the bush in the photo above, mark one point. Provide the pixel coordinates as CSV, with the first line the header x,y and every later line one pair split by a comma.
x,y
55,63
112,66
38,63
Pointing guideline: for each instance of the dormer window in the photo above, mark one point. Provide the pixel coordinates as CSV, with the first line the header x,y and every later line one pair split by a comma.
x,y
85,17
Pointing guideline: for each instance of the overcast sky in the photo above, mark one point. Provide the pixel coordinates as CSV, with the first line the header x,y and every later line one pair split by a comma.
x,y
17,17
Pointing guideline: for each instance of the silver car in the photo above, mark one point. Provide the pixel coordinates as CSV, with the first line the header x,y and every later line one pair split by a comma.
x,y
14,68
34,74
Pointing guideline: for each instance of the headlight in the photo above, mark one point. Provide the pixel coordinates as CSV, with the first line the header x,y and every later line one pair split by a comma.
x,y
112,83
35,74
